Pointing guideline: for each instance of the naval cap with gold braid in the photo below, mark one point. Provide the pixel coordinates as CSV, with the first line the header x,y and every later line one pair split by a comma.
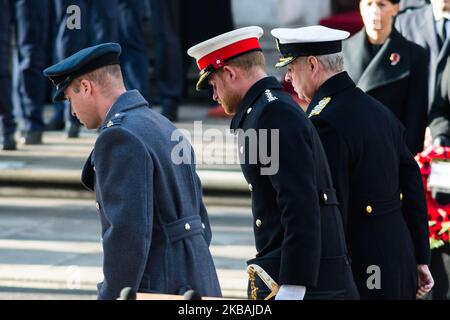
x,y
308,41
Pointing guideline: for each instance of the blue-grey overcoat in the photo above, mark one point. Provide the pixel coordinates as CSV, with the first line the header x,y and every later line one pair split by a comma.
x,y
155,227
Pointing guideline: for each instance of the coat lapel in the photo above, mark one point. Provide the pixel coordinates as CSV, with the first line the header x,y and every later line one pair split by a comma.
x,y
392,63
88,174
357,55
428,24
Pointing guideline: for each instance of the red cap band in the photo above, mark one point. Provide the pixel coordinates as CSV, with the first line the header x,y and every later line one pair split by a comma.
x,y
218,57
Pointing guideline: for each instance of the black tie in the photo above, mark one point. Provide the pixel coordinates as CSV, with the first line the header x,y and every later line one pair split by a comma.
x,y
442,32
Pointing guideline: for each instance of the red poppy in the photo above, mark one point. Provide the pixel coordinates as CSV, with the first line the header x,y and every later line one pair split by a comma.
x,y
438,215
395,59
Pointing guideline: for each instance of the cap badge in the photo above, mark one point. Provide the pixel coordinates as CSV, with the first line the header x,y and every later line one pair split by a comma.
x,y
219,63
270,96
395,59
319,108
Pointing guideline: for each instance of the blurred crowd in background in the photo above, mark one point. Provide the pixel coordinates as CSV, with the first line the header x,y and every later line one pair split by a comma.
x,y
154,36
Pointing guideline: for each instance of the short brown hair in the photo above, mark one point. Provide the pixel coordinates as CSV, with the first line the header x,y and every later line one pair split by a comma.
x,y
248,61
101,76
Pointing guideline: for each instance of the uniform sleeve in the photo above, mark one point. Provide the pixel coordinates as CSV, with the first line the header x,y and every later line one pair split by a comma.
x,y
297,196
414,205
338,155
440,110
125,179
417,104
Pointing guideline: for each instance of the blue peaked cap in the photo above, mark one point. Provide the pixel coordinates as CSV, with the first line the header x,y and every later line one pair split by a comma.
x,y
82,62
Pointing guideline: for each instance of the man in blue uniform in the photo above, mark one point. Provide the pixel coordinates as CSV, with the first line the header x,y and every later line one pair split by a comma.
x,y
31,62
378,182
135,59
6,107
99,24
155,228
297,225
32,59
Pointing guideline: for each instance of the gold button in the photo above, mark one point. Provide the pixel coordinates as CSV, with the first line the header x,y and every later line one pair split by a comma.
x,y
325,197
401,196
258,223
369,209
97,205
187,227
250,187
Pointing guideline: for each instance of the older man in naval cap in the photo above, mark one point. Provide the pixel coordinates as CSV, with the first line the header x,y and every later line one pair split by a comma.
x,y
378,182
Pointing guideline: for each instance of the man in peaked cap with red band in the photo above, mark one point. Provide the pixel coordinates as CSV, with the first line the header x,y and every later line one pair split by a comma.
x,y
297,225
213,54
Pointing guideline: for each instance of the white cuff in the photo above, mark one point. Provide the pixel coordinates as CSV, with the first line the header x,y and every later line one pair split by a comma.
x,y
288,292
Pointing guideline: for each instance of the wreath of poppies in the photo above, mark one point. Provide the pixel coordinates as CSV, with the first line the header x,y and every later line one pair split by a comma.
x,y
438,215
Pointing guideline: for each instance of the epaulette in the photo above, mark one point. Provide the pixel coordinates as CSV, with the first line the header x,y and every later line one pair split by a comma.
x,y
319,108
115,121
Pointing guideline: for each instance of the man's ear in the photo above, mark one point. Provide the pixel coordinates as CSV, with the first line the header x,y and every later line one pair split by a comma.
x,y
396,9
313,64
86,87
229,72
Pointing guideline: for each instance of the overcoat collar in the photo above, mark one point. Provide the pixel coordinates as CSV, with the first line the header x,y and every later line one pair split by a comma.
x,y
255,91
129,100
332,86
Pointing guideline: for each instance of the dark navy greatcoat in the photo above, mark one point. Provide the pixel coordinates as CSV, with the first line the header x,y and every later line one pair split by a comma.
x,y
297,225
379,187
397,76
155,228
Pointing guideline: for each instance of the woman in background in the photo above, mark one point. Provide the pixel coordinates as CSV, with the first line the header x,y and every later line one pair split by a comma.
x,y
390,68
